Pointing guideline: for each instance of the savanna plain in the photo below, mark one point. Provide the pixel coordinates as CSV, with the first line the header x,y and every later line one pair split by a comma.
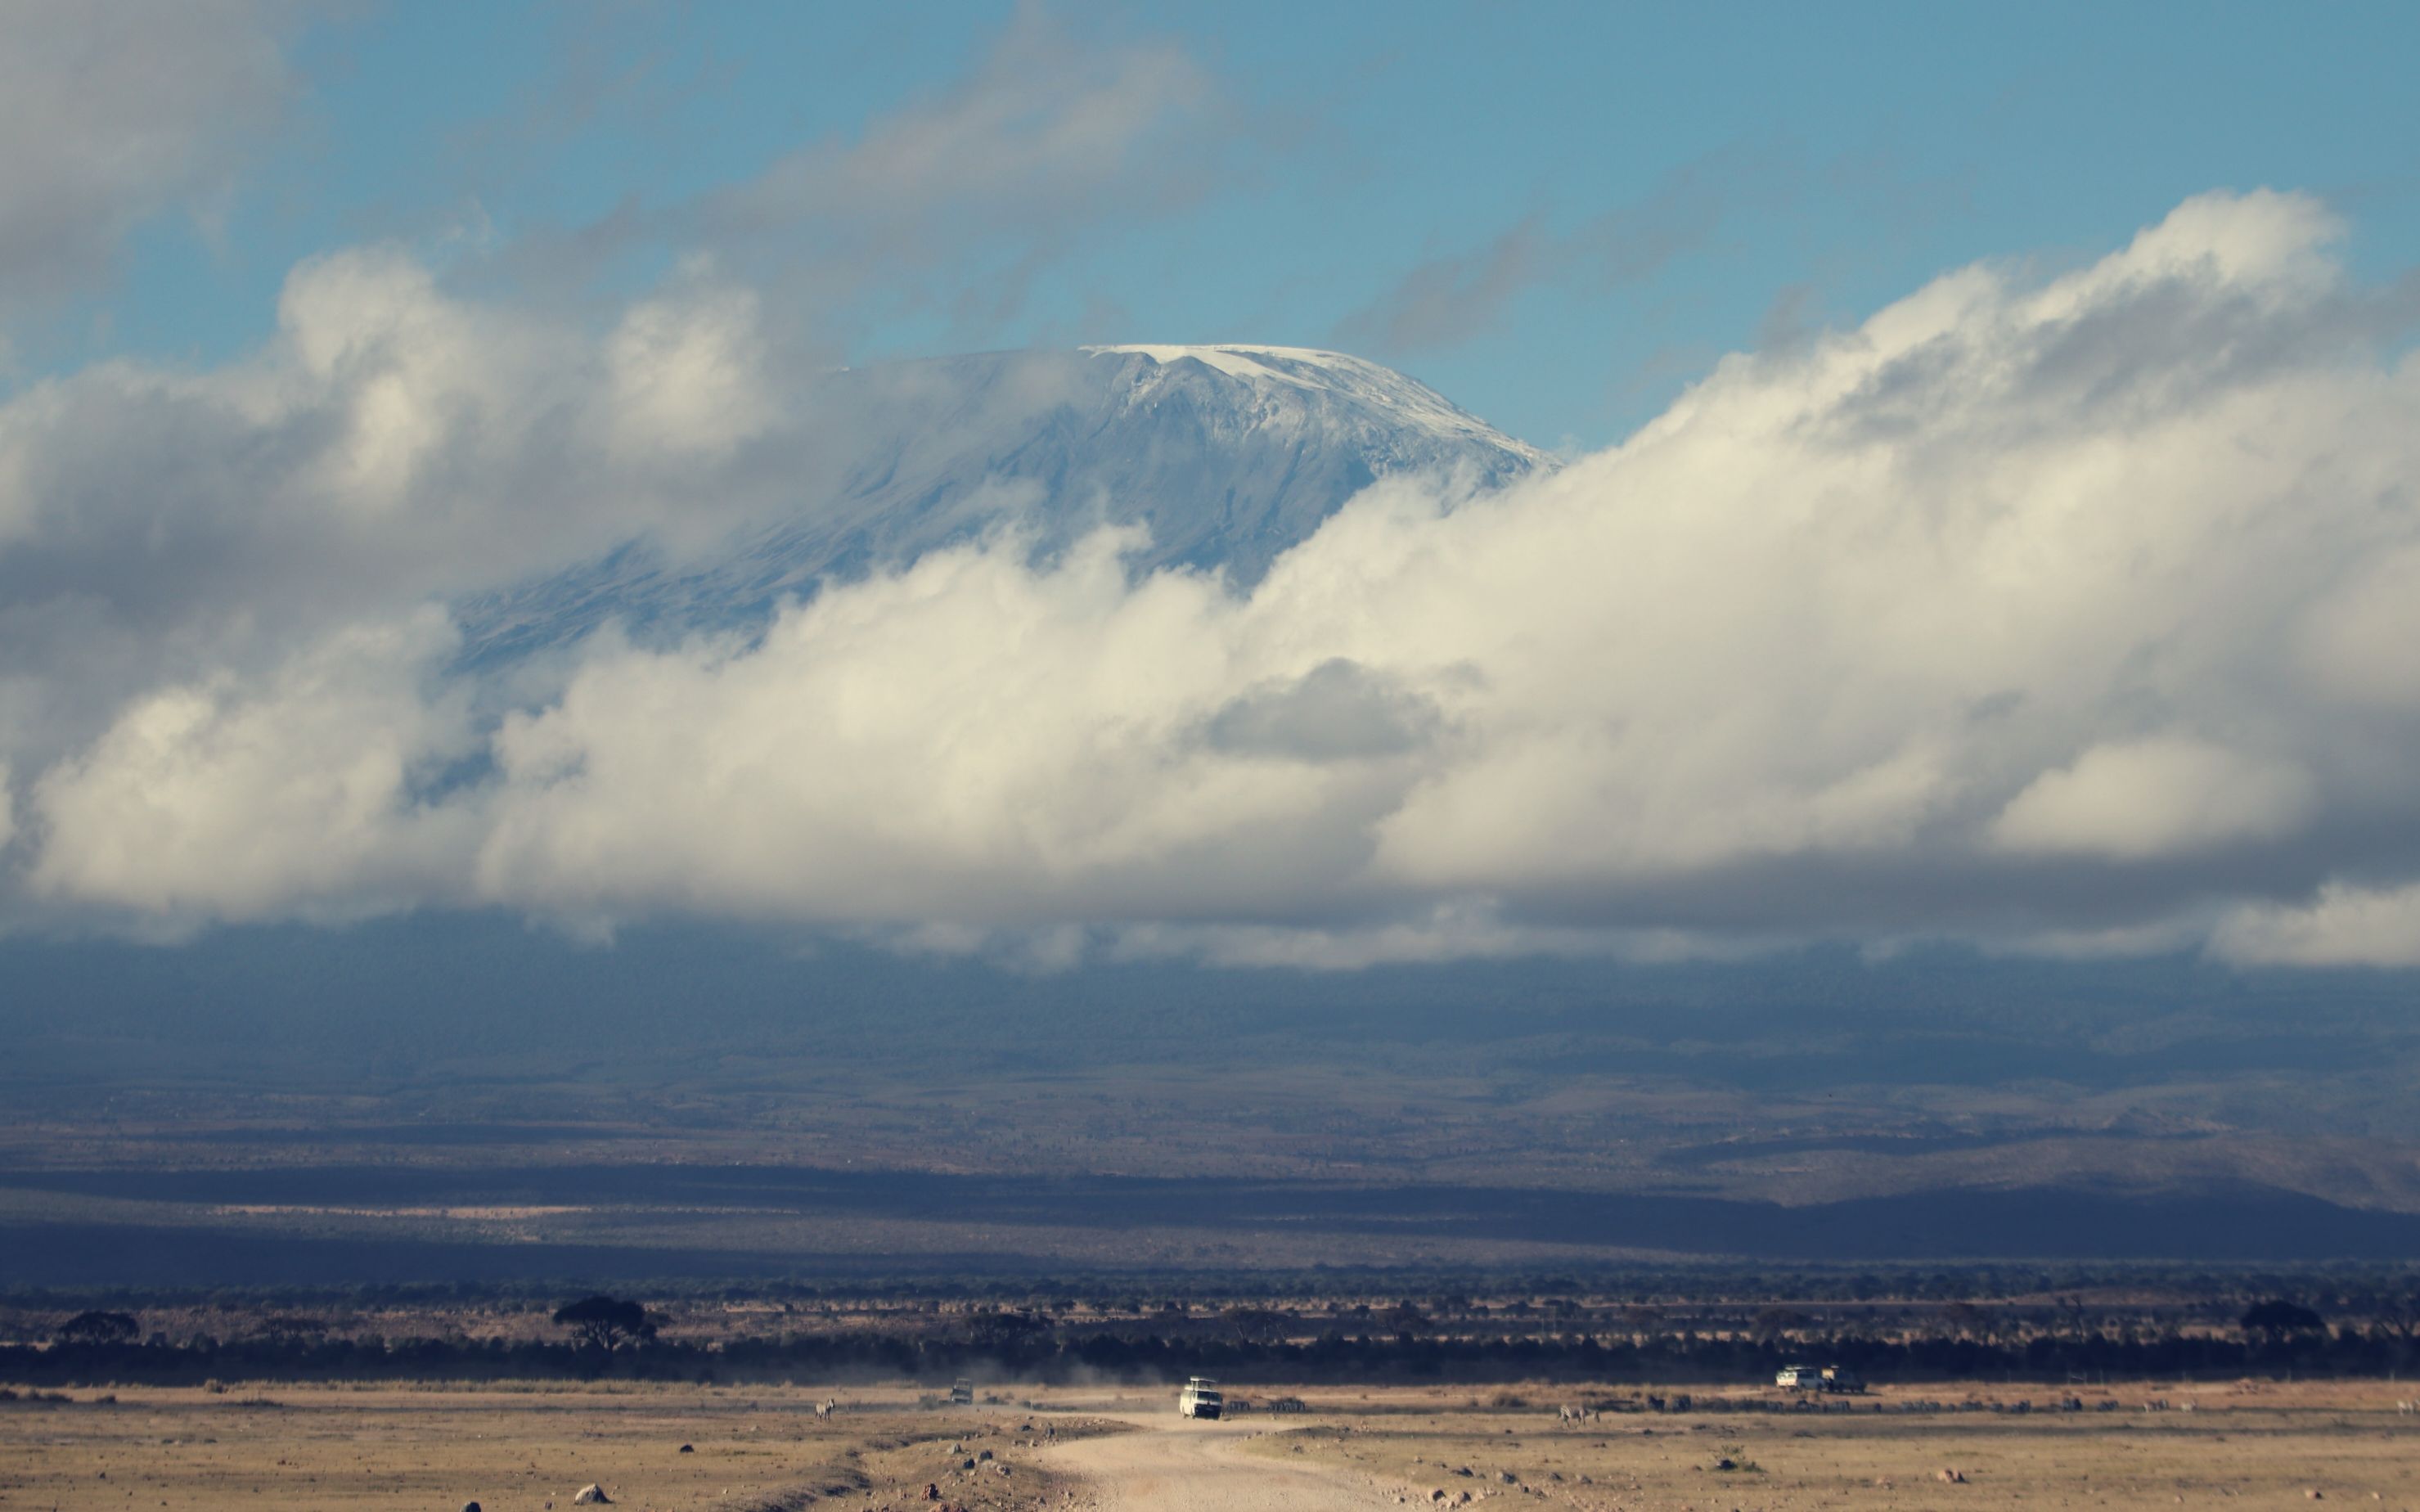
x,y
652,1445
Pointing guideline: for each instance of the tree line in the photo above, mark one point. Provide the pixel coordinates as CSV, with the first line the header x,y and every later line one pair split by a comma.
x,y
606,1336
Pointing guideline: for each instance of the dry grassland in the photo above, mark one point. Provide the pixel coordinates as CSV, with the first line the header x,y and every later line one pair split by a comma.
x,y
511,1448
525,1448
2269,1446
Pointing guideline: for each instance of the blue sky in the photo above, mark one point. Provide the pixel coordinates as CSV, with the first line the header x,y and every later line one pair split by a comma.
x,y
1764,168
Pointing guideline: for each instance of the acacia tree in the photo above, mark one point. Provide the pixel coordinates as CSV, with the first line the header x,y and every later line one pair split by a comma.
x,y
1257,1325
2399,1315
96,1327
2276,1317
603,1322
1005,1331
2079,1322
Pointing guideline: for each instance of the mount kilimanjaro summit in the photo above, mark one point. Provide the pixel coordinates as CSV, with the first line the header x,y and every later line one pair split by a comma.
x,y
1226,455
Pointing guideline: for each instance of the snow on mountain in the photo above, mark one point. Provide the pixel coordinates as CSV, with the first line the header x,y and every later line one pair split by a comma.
x,y
1228,454
1348,378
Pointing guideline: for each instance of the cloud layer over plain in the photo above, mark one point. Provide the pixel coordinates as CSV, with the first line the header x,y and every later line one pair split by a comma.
x,y
2078,612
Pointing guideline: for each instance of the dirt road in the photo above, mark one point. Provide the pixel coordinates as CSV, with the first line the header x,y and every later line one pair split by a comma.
x,y
1174,1465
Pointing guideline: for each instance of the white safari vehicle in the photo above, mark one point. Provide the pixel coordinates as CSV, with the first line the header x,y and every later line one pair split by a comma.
x,y
1200,1398
1829,1378
962,1393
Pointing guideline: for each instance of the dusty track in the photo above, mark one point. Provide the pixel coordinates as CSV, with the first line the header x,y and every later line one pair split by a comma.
x,y
1178,1466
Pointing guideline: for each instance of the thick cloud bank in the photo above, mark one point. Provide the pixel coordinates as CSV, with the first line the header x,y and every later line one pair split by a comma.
x,y
2076,613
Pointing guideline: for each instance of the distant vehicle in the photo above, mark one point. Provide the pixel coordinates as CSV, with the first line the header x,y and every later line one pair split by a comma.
x,y
962,1393
1200,1398
1829,1378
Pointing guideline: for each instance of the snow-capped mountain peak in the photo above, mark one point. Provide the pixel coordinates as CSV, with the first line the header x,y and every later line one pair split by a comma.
x,y
1355,379
1227,455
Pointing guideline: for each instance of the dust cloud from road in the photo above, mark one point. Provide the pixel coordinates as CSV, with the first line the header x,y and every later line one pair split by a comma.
x,y
1180,1465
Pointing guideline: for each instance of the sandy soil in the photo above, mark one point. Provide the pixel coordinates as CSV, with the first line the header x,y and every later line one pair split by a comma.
x,y
1170,1464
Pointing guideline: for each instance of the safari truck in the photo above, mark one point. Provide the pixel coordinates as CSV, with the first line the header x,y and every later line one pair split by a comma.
x,y
1829,1378
962,1393
1200,1398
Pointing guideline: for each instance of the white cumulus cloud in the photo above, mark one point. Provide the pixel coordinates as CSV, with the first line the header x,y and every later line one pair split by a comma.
x,y
2135,799
2058,611
2347,924
218,802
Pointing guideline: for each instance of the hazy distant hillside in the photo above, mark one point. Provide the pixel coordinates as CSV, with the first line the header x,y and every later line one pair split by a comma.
x,y
1229,454
709,1101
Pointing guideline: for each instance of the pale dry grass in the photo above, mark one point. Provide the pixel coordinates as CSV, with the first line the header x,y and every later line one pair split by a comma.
x,y
515,1447
2269,1446
509,1447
